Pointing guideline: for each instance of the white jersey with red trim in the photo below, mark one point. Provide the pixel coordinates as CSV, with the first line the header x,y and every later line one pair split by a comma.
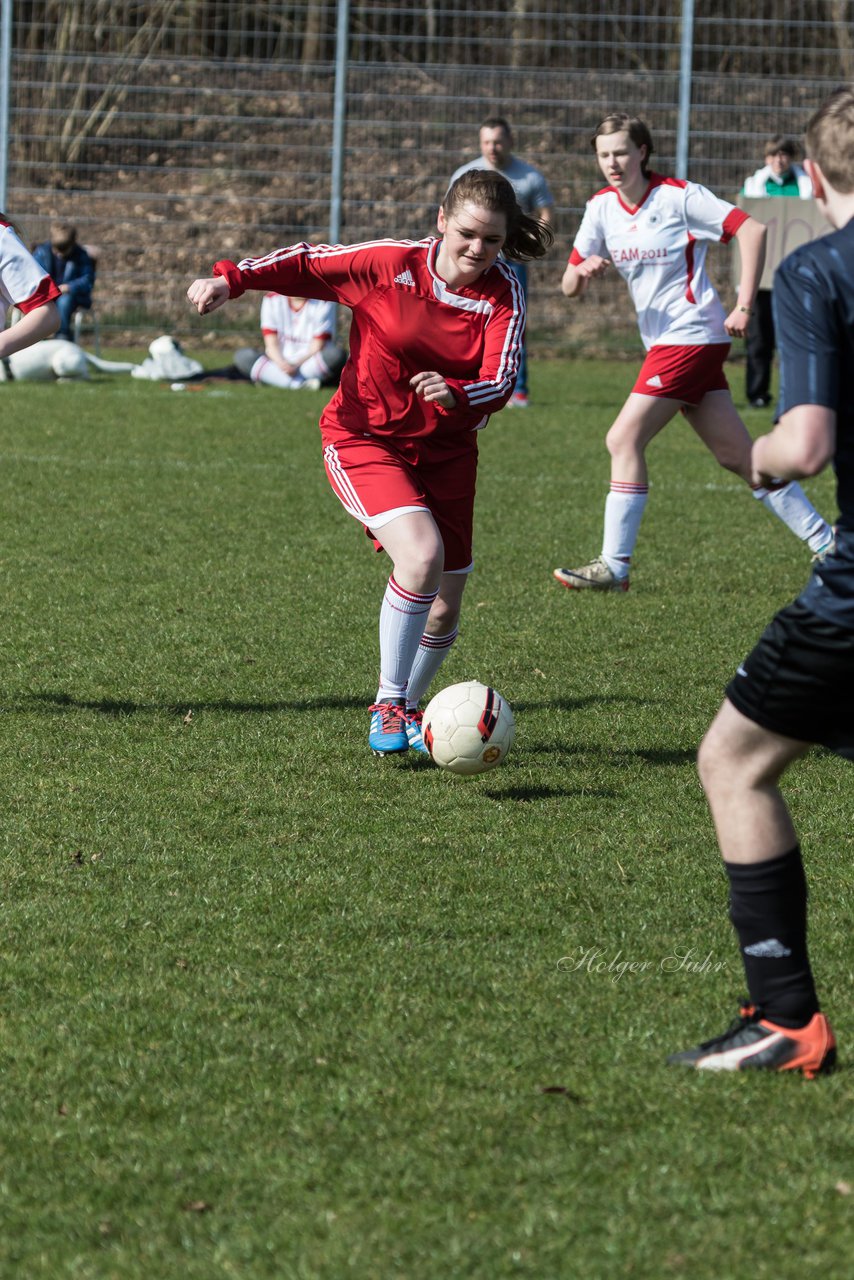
x,y
23,283
406,320
296,327
659,248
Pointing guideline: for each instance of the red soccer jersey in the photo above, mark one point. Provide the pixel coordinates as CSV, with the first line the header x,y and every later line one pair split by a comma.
x,y
406,320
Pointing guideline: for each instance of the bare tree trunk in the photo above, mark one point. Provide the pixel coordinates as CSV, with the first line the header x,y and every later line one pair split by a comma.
x,y
518,31
842,28
312,42
432,22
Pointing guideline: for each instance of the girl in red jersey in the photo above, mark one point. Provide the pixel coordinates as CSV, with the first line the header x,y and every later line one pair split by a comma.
x,y
23,284
655,232
434,350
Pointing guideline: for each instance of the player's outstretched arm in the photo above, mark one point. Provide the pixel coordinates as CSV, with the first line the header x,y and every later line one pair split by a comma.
x,y
802,444
751,245
207,295
41,322
577,274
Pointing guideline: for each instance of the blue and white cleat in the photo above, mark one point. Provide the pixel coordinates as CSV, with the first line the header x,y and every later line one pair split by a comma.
x,y
387,734
413,718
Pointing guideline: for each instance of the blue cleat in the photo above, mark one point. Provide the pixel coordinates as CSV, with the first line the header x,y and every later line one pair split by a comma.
x,y
413,718
387,734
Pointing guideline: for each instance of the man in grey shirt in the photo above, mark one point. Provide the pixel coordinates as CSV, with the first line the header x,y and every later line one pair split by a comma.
x,y
533,194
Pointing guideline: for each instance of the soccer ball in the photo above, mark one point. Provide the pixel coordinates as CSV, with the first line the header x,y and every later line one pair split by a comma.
x,y
468,728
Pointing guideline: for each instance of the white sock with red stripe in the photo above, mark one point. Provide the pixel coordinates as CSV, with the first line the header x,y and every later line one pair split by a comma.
x,y
624,509
402,619
791,505
263,370
432,652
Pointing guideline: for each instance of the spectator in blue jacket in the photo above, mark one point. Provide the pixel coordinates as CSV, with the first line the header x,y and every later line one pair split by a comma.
x,y
72,270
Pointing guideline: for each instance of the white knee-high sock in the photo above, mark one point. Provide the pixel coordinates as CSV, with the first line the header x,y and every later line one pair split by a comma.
x,y
791,505
263,370
624,508
432,652
402,619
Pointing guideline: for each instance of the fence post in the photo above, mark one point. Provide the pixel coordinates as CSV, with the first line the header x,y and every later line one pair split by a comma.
x,y
342,33
5,71
683,127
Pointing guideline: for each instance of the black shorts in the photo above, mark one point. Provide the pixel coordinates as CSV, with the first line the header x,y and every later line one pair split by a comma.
x,y
799,681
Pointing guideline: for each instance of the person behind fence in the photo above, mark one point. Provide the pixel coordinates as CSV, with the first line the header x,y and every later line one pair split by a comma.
x,y
434,349
535,199
25,286
779,176
796,688
72,270
655,232
299,347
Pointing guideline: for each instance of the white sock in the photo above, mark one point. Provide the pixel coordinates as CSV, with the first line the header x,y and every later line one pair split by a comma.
x,y
791,505
624,508
432,652
314,367
263,370
402,619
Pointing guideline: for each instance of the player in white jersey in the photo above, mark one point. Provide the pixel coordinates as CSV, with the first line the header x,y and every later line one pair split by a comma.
x,y
24,285
655,232
298,346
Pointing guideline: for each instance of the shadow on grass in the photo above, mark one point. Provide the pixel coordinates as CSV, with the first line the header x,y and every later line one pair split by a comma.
x,y
125,707
118,707
581,703
658,756
530,793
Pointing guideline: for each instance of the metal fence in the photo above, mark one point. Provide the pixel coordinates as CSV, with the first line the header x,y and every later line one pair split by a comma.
x,y
178,131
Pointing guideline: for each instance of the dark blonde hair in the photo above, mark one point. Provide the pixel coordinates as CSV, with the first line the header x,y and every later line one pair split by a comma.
x,y
526,237
637,130
497,122
63,236
779,142
830,140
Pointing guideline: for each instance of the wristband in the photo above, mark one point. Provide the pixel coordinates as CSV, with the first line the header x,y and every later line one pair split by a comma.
x,y
746,310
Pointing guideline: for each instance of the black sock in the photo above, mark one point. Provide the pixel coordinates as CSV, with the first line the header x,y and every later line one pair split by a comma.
x,y
768,908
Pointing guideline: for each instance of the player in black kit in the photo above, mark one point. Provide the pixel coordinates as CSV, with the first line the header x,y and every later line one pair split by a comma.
x,y
796,688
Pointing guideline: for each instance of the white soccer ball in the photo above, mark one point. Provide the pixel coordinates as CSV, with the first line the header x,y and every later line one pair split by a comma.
x,y
468,728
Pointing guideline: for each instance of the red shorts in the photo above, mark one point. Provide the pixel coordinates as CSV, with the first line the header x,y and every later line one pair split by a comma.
x,y
377,478
683,373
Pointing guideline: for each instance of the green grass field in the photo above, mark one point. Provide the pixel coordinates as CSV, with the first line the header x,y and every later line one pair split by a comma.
x,y
272,1008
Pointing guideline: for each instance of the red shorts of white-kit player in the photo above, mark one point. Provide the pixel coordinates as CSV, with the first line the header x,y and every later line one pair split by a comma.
x,y
683,373
377,479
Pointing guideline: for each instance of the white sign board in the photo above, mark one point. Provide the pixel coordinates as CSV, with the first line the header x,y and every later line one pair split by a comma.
x,y
790,222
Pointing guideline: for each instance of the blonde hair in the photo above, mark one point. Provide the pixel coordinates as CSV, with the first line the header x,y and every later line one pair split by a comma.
x,y
830,140
638,131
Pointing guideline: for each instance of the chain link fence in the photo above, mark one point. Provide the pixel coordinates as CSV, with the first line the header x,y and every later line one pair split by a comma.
x,y
175,132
